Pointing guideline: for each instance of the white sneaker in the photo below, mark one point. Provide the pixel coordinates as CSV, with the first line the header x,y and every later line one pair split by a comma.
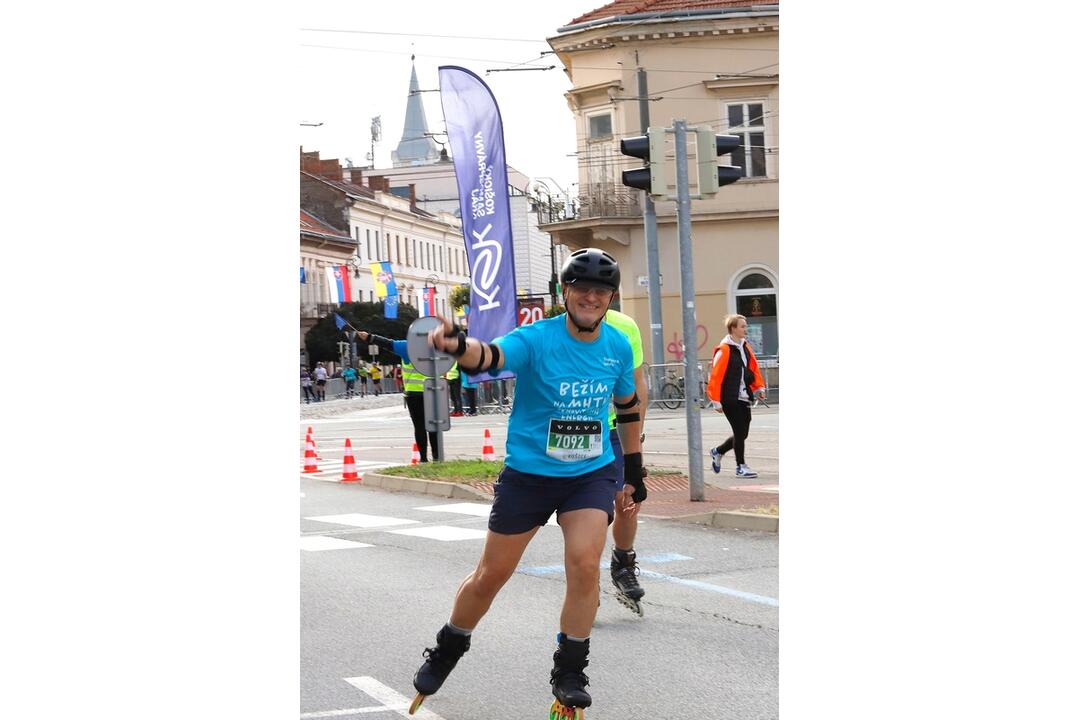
x,y
745,471
715,460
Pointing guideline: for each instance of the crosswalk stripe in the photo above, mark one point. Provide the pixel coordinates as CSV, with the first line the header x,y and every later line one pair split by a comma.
x,y
362,520
444,533
313,543
390,698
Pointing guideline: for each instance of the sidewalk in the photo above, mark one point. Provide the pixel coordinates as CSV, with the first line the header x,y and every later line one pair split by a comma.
x,y
669,499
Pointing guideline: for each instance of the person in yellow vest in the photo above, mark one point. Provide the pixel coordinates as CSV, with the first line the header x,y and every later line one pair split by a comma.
x,y
413,381
453,380
413,385
624,569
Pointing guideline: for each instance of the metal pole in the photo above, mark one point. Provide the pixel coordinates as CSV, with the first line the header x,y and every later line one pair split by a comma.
x,y
441,395
652,254
689,313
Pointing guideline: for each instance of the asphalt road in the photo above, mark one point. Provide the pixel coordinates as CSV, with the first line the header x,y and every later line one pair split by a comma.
x,y
706,648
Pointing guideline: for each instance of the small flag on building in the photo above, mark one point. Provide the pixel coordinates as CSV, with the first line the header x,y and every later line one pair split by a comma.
x,y
303,276
383,277
339,321
428,306
338,282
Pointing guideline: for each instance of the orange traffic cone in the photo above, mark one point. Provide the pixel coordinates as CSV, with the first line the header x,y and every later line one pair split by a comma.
x,y
348,469
310,465
415,455
311,437
489,451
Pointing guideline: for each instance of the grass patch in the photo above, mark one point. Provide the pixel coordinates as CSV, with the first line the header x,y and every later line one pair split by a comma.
x,y
459,471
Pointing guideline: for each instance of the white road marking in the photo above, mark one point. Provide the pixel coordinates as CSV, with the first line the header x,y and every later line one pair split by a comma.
x,y
477,509
321,542
363,521
353,711
390,698
445,533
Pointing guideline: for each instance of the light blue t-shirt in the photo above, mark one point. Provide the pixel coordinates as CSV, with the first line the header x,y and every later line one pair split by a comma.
x,y
558,425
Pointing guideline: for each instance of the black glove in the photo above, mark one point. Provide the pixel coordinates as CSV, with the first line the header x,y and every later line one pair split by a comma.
x,y
634,475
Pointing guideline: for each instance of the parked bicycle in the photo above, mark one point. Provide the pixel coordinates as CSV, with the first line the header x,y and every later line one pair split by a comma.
x,y
673,393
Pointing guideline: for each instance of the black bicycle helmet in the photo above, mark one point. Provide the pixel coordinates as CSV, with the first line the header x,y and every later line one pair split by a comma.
x,y
591,267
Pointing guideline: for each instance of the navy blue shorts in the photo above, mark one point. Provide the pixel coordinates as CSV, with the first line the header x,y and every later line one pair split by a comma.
x,y
616,445
524,501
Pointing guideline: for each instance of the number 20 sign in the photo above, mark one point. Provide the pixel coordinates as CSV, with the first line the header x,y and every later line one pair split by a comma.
x,y
530,310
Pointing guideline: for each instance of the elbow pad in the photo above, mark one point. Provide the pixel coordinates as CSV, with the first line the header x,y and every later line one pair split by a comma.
x,y
633,474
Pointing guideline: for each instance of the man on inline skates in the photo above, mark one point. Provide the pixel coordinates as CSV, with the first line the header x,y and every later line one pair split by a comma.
x,y
558,459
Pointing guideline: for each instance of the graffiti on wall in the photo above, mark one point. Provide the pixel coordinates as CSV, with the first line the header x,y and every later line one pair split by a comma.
x,y
676,347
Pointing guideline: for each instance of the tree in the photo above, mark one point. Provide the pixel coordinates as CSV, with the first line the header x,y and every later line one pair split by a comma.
x,y
554,310
322,339
459,296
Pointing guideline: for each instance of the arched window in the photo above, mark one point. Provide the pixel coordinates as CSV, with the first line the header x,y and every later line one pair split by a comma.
x,y
754,296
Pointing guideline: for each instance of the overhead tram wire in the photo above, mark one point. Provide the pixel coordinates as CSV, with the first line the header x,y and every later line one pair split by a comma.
x,y
401,34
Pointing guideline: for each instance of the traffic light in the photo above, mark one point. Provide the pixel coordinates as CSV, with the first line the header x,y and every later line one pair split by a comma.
x,y
649,148
712,177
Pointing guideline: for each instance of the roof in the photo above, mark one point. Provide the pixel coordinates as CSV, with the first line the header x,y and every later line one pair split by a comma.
x,y
639,7
347,188
314,226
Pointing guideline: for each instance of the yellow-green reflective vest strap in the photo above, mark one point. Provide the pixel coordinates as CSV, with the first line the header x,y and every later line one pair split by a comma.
x,y
413,380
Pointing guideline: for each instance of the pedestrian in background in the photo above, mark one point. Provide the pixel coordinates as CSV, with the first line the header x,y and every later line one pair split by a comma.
x,y
305,385
734,378
453,380
398,380
349,375
362,371
376,379
470,394
320,381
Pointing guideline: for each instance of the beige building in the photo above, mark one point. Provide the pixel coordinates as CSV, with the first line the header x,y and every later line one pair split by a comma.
x,y
366,224
711,64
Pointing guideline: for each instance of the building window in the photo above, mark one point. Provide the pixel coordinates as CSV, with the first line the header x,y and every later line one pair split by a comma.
x,y
600,127
378,247
414,252
755,298
747,120
397,249
368,232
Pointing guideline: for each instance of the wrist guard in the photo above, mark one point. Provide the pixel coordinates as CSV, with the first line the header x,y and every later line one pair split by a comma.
x,y
633,474
461,344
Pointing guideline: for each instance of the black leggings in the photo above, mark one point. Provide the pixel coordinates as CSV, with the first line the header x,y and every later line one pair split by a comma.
x,y
415,402
738,415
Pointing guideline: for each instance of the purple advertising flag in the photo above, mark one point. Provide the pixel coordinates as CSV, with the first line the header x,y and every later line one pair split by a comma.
x,y
475,131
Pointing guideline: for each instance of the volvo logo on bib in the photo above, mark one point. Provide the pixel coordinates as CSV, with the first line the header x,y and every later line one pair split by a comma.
x,y
474,128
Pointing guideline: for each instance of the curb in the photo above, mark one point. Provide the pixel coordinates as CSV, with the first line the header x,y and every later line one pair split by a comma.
x,y
454,491
730,519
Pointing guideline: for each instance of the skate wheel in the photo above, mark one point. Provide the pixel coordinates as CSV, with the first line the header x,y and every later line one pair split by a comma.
x,y
561,712
416,703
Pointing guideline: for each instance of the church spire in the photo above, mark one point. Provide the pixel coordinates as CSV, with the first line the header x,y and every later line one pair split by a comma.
x,y
415,148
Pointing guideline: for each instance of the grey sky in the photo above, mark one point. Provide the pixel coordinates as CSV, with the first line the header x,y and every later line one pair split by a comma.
x,y
344,88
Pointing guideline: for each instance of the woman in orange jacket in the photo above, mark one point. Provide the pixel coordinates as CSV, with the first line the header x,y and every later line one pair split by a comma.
x,y
734,379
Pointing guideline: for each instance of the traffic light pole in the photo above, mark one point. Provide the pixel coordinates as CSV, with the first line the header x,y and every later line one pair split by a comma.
x,y
689,313
652,255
